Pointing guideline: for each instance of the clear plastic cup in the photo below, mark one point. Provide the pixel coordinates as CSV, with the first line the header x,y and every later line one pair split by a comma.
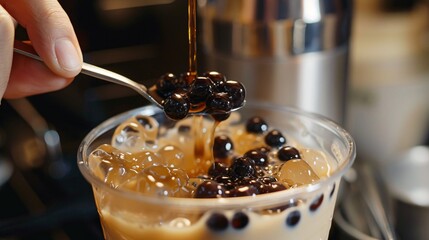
x,y
301,213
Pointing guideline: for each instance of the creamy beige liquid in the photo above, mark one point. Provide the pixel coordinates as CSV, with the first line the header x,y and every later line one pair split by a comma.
x,y
316,225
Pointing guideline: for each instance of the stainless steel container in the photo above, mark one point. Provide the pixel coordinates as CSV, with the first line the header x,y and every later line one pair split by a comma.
x,y
289,52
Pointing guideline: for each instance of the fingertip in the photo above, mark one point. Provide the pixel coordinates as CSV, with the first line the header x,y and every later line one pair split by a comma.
x,y
69,58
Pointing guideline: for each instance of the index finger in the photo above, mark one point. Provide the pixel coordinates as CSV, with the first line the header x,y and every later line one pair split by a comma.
x,y
50,32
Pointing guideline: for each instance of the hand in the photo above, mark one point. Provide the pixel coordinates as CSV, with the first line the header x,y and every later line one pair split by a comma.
x,y
51,35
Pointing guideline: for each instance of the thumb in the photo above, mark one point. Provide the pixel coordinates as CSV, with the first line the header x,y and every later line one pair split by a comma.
x,y
7,31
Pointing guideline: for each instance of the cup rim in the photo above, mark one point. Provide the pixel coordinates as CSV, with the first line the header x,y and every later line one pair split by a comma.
x,y
230,203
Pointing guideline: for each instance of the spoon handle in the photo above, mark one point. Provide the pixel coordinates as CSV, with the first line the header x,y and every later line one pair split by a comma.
x,y
93,71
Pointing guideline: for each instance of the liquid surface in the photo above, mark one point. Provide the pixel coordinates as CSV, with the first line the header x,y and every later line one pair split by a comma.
x,y
231,160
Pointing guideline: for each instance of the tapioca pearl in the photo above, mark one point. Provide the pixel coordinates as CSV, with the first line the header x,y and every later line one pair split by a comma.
x,y
219,117
275,139
239,220
218,169
218,103
200,89
242,191
166,84
286,153
218,79
332,191
296,172
226,180
176,106
242,167
217,222
172,156
236,91
259,156
317,160
316,203
257,183
222,146
256,125
209,189
293,218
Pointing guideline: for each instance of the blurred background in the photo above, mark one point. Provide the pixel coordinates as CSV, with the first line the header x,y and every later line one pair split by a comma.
x,y
379,60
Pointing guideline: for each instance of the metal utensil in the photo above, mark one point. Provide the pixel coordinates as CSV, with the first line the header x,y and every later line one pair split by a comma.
x,y
362,212
406,178
104,74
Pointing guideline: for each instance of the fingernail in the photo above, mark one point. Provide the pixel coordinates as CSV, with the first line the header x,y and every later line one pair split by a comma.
x,y
67,55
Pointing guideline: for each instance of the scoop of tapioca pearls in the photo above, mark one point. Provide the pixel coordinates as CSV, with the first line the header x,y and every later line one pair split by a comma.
x,y
211,93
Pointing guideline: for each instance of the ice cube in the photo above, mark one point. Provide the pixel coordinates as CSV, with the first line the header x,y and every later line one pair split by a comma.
x,y
296,172
140,160
172,156
159,180
150,126
110,164
136,134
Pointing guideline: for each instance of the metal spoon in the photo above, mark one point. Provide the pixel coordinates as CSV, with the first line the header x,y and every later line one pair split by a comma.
x,y
104,74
